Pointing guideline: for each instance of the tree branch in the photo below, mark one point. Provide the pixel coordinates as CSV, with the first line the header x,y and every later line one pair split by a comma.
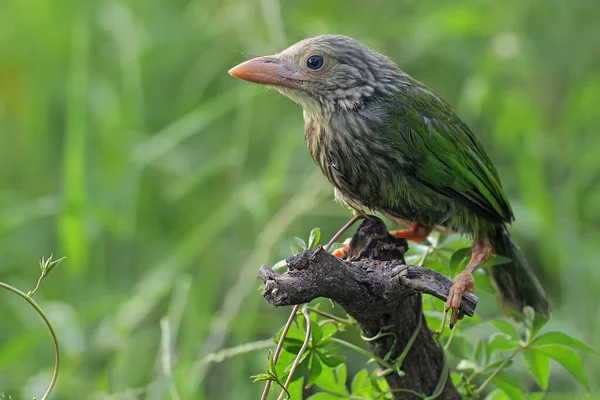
x,y
382,294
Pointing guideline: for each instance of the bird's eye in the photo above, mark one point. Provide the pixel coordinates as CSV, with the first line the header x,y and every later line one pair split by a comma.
x,y
315,62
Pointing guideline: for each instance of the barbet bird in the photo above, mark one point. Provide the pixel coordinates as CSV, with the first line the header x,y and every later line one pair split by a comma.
x,y
390,144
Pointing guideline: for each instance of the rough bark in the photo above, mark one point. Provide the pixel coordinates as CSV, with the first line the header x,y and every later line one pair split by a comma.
x,y
383,295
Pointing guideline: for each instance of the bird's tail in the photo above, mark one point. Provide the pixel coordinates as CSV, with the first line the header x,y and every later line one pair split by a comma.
x,y
515,282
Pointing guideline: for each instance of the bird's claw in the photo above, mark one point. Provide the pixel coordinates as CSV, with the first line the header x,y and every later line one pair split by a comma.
x,y
463,281
342,251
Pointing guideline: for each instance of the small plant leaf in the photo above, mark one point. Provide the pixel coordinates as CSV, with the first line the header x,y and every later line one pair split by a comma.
x,y
301,243
315,236
538,365
493,366
316,335
459,260
332,361
329,381
568,359
483,282
481,354
505,383
466,365
280,265
497,395
315,369
563,340
495,260
502,342
261,378
506,328
539,321
324,396
529,314
361,383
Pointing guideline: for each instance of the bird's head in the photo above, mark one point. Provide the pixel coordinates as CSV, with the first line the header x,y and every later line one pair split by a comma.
x,y
324,73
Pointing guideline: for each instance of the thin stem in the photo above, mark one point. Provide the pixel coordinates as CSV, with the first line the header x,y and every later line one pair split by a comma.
x,y
498,370
343,229
443,377
52,333
166,356
443,325
37,286
327,315
402,390
450,337
287,327
362,351
230,352
427,253
297,359
327,247
413,336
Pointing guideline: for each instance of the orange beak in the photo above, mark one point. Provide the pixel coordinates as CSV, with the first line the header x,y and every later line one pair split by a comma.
x,y
267,71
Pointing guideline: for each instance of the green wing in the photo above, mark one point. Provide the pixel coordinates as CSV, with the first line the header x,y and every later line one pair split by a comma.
x,y
447,157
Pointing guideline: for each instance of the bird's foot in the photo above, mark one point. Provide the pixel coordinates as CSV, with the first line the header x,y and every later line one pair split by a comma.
x,y
463,281
342,251
416,233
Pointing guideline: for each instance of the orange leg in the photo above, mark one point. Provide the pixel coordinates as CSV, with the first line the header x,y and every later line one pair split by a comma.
x,y
482,251
416,233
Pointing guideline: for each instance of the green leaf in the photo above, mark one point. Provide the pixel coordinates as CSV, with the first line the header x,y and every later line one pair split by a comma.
x,y
506,384
379,385
563,340
495,365
535,396
497,395
280,265
315,236
456,378
292,345
316,335
506,328
529,314
329,381
361,383
301,243
328,330
341,374
539,321
568,359
495,260
467,365
459,260
538,366
461,347
324,396
481,354
332,361
483,282
314,369
296,388
261,377
502,342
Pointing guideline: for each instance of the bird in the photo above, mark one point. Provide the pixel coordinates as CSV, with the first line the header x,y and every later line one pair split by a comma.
x,y
389,144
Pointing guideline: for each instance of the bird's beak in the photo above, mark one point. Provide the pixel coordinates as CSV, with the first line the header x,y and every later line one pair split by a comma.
x,y
267,70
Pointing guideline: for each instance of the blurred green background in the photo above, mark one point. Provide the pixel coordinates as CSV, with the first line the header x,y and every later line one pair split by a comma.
x,y
126,147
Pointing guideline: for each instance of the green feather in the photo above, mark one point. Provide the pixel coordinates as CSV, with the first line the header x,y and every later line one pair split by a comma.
x,y
447,157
